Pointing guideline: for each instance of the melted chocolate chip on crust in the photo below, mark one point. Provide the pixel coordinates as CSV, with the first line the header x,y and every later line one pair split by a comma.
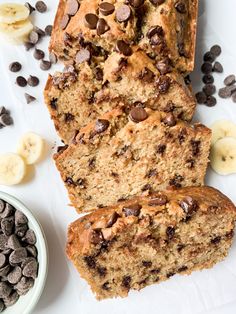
x,y
138,114
101,125
106,8
132,210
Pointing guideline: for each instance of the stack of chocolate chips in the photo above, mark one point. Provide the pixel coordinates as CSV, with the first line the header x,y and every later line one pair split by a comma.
x,y
18,255
208,67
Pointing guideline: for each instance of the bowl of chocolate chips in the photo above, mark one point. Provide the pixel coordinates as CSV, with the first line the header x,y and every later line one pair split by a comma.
x,y
23,257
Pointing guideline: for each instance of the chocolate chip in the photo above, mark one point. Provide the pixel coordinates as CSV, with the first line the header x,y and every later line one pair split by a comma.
x,y
209,89
11,299
39,31
163,66
33,37
24,285
180,7
45,65
33,81
217,67
90,261
234,97
123,47
7,225
123,13
161,149
132,210
72,6
2,203
6,119
82,56
138,114
98,74
206,68
155,30
201,97
112,219
48,30
5,290
90,20
30,237
15,275
52,58
226,92
13,242
187,80
189,206
157,2
30,269
101,125
102,26
195,147
146,75
209,57
216,240
32,250
102,271
182,268
5,270
38,54
15,67
208,79
170,232
96,237
106,8
163,84
105,286
64,21
216,50
147,264
41,6
176,181
158,200
169,119
136,3
170,274
29,7
17,256
126,282
229,80
20,218
2,260
28,45
21,81
21,230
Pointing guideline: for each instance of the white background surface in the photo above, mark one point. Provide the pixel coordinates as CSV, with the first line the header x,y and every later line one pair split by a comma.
x,y
207,292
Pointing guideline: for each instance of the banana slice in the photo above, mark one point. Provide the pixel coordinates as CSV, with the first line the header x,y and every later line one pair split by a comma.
x,y
31,147
223,156
12,169
221,129
16,33
11,13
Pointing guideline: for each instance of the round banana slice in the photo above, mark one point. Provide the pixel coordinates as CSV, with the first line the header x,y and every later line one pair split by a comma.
x,y
223,156
12,169
16,33
31,147
221,129
11,13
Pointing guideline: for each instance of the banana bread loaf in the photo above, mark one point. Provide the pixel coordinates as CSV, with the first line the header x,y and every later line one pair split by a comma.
x,y
163,28
83,92
121,155
149,239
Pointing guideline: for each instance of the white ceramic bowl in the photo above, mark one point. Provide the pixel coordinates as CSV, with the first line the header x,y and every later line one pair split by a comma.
x,y
26,303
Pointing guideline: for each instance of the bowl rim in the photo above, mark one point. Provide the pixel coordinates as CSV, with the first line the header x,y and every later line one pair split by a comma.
x,y
42,242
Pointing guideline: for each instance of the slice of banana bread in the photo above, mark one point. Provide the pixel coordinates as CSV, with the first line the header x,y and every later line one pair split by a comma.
x,y
83,92
149,239
121,155
164,28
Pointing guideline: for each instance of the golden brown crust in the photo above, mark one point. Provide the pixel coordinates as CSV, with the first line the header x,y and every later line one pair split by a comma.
x,y
179,30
